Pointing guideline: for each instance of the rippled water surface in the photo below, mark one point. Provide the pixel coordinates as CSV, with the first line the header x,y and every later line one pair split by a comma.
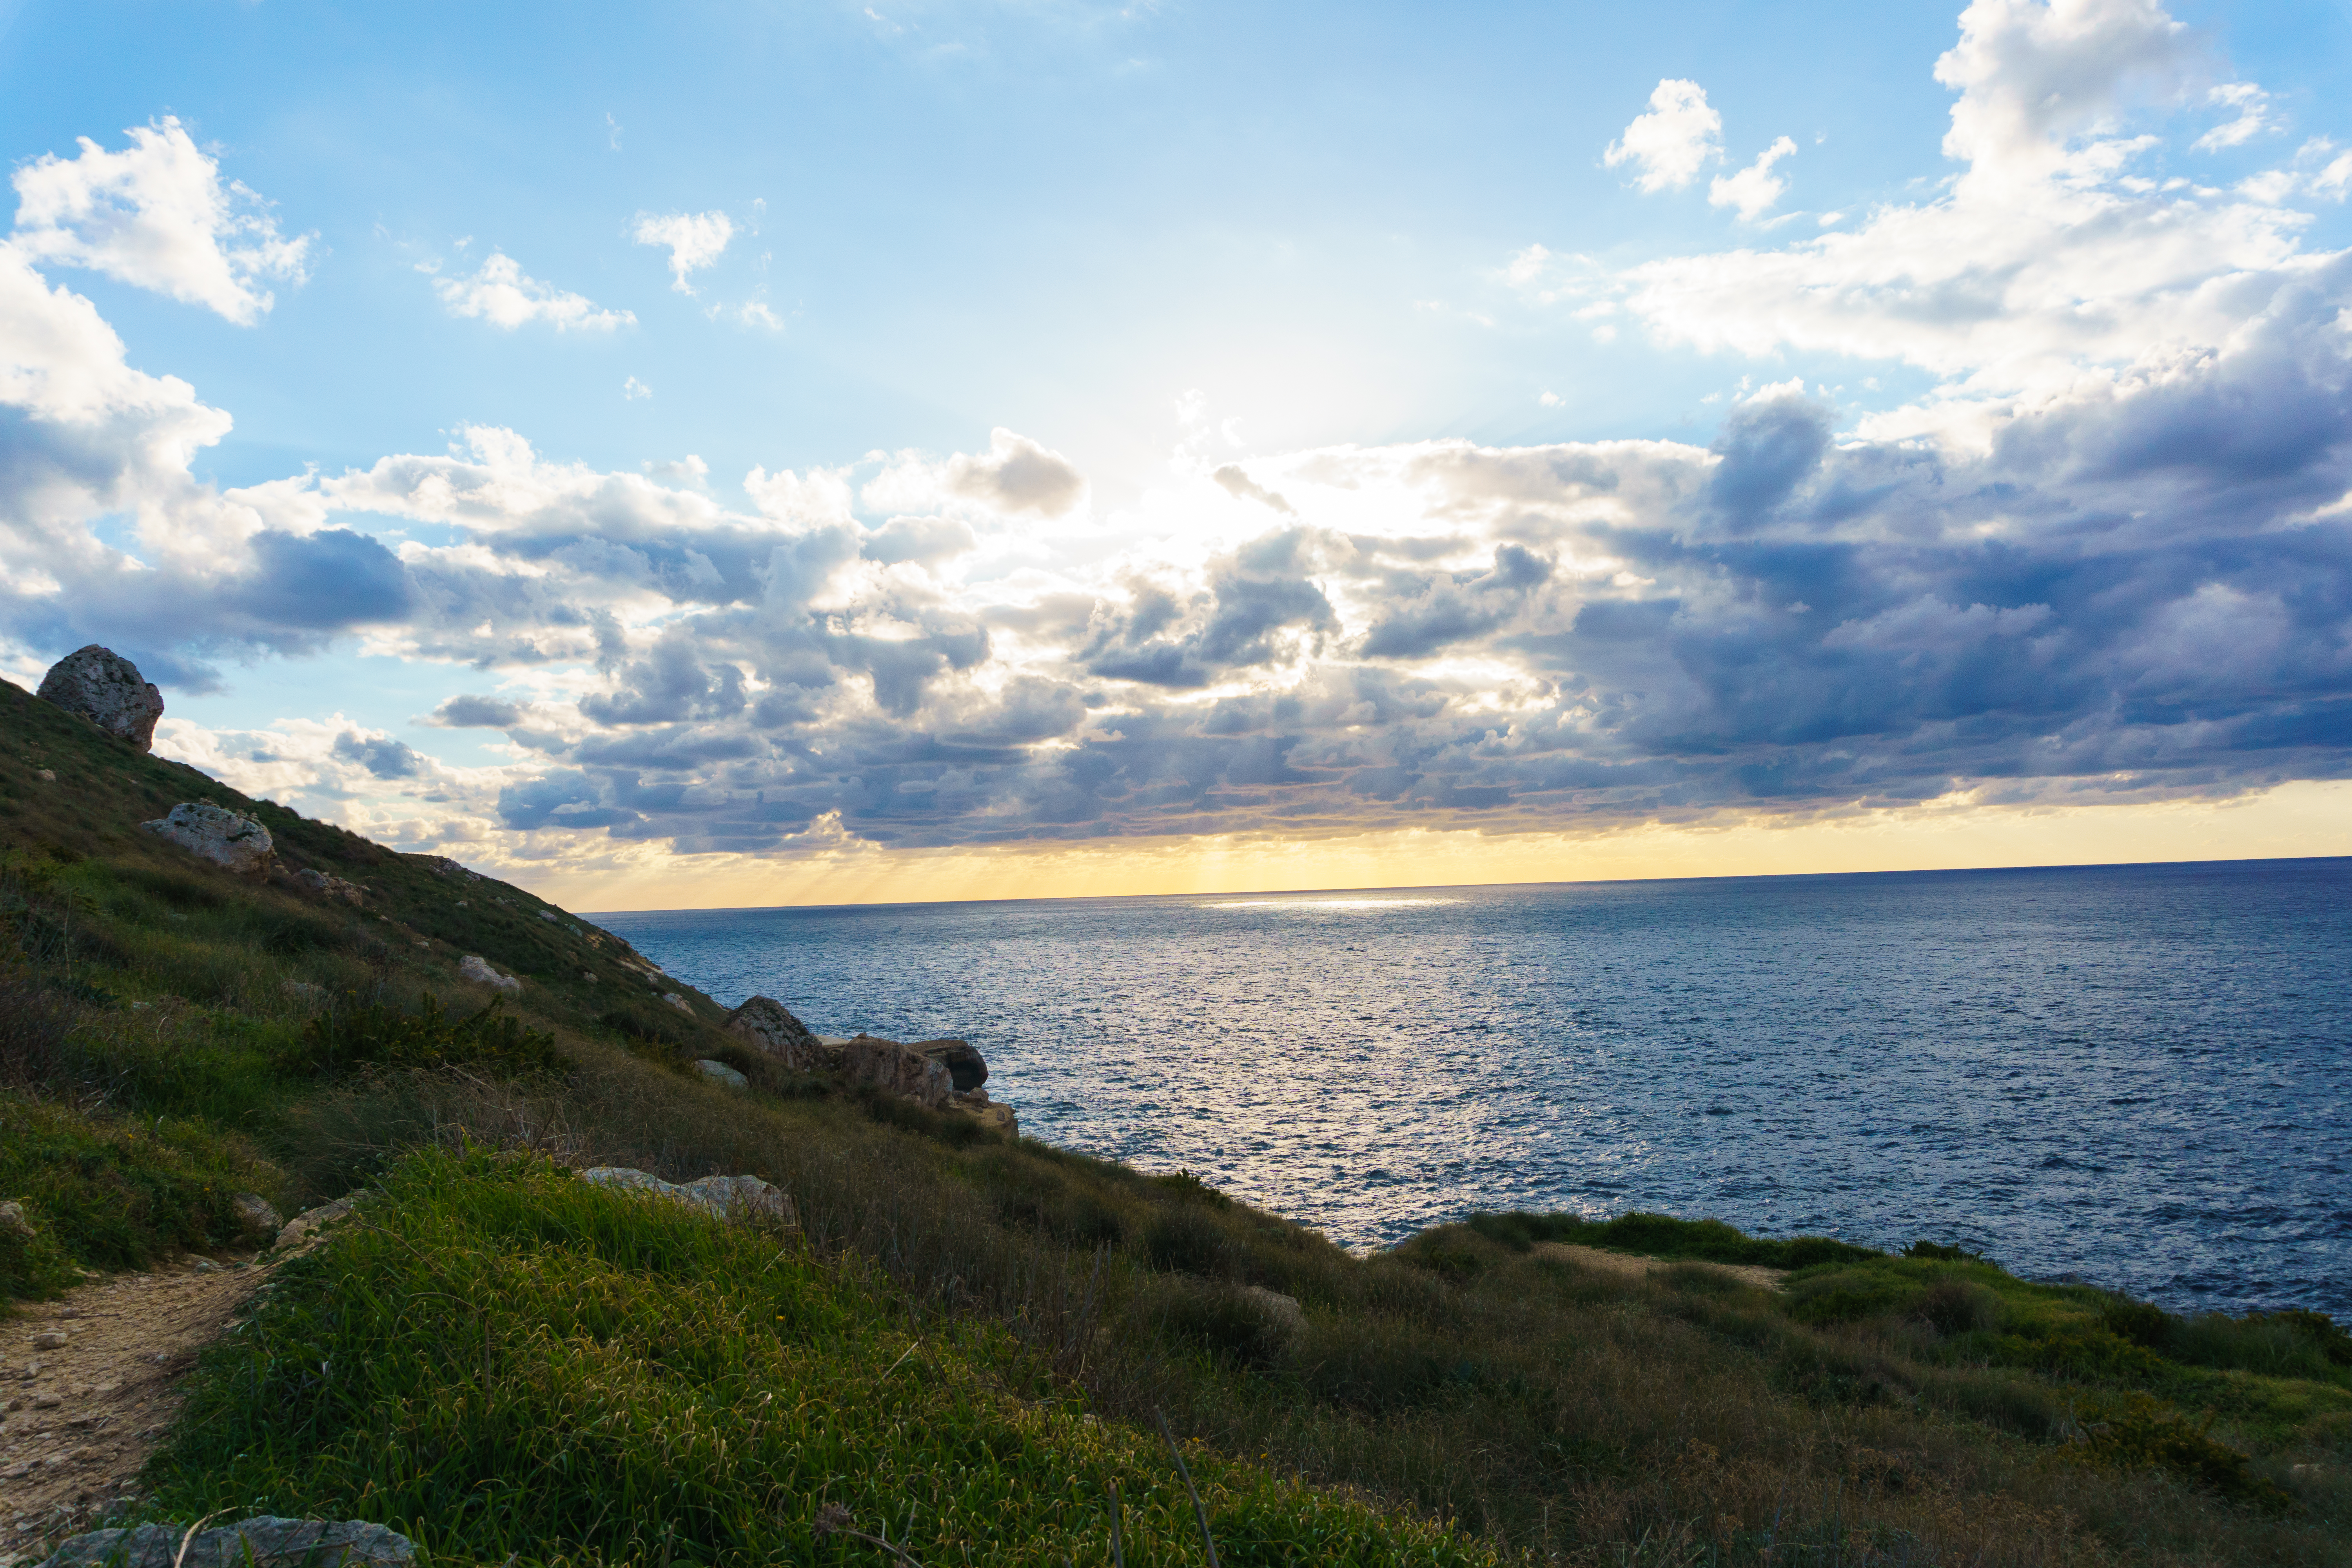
x,y
2139,1073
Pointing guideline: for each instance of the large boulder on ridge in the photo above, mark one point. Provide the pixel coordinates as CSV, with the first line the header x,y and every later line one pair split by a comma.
x,y
768,1026
106,689
967,1069
887,1065
216,833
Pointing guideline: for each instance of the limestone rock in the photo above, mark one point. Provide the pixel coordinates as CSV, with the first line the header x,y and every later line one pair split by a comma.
x,y
307,1230
106,689
257,1214
726,1197
216,833
329,887
264,1543
975,1103
886,1064
720,1072
442,866
679,1002
767,1025
471,967
13,1220
1282,1311
966,1067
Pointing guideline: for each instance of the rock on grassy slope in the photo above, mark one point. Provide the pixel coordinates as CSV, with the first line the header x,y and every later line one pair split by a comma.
x,y
968,1338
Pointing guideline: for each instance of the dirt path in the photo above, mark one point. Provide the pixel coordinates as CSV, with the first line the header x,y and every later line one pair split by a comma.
x,y
1633,1268
89,1384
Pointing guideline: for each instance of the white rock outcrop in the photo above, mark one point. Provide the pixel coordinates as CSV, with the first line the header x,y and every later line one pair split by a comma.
x,y
720,1072
472,967
216,833
106,689
727,1197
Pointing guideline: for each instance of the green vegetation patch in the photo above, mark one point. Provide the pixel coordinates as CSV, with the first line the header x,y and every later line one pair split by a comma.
x,y
381,1035
1662,1236
114,1193
497,1358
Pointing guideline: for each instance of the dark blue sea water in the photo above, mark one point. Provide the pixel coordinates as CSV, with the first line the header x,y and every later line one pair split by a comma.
x,y
2139,1075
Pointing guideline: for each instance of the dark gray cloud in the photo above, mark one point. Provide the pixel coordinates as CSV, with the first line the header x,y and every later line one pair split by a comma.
x,y
384,757
470,712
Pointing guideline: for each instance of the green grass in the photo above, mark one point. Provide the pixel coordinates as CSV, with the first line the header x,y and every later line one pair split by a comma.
x,y
109,1191
498,1358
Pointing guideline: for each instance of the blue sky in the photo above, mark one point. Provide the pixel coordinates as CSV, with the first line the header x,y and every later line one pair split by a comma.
x,y
1138,427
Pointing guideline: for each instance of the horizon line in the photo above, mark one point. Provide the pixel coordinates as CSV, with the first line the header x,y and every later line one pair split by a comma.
x,y
1451,887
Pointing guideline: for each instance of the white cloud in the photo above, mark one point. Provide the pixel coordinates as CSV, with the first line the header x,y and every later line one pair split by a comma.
x,y
695,241
1016,475
2334,180
2252,105
687,470
157,216
1754,189
501,294
1669,145
634,389
2047,260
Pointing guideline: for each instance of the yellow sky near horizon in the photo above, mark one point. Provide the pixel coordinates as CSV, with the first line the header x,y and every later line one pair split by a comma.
x,y
2304,818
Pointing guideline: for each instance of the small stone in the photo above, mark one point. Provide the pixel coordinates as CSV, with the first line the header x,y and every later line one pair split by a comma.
x,y
47,775
257,1213
720,1072
329,887
679,1002
216,833
310,1223
13,1220
588,975
48,1400
725,1196
50,1341
420,943
471,967
264,1542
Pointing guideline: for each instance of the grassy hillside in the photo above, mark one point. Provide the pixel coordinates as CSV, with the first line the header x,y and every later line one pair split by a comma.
x,y
970,1339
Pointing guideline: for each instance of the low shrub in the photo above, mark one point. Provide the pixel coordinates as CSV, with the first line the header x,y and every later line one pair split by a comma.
x,y
2134,1430
380,1036
1184,1240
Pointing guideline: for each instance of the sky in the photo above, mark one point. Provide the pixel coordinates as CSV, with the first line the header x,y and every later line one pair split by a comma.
x,y
723,453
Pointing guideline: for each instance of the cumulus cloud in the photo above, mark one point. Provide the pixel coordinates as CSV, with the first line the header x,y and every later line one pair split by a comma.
x,y
156,214
502,294
2252,105
1669,144
2048,259
1017,475
695,240
1755,189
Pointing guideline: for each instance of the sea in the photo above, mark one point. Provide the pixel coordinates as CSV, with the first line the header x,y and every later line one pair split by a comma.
x,y
2139,1077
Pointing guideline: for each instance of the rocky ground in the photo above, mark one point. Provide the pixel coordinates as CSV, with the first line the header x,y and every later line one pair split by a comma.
x,y
89,1383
